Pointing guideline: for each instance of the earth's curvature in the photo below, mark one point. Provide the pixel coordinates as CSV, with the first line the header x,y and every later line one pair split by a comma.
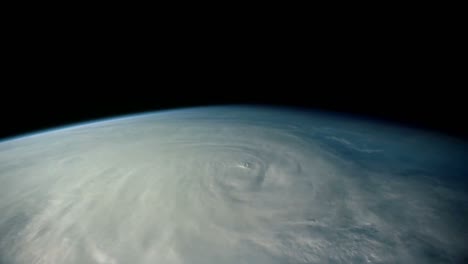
x,y
233,185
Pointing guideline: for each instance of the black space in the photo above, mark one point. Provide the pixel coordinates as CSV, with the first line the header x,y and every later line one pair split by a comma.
x,y
64,103
401,75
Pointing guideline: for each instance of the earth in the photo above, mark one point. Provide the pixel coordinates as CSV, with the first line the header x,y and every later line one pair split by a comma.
x,y
234,184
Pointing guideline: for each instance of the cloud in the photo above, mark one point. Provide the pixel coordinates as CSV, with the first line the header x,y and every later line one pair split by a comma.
x,y
195,190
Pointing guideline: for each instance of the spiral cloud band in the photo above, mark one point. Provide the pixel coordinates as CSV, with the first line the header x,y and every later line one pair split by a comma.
x,y
232,185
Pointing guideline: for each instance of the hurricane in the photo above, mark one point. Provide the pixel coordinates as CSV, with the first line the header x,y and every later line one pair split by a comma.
x,y
233,185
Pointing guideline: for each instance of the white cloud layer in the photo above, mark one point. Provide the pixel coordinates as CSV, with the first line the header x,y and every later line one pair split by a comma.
x,y
230,186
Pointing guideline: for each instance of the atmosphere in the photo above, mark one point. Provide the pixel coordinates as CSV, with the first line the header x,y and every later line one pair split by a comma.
x,y
233,185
